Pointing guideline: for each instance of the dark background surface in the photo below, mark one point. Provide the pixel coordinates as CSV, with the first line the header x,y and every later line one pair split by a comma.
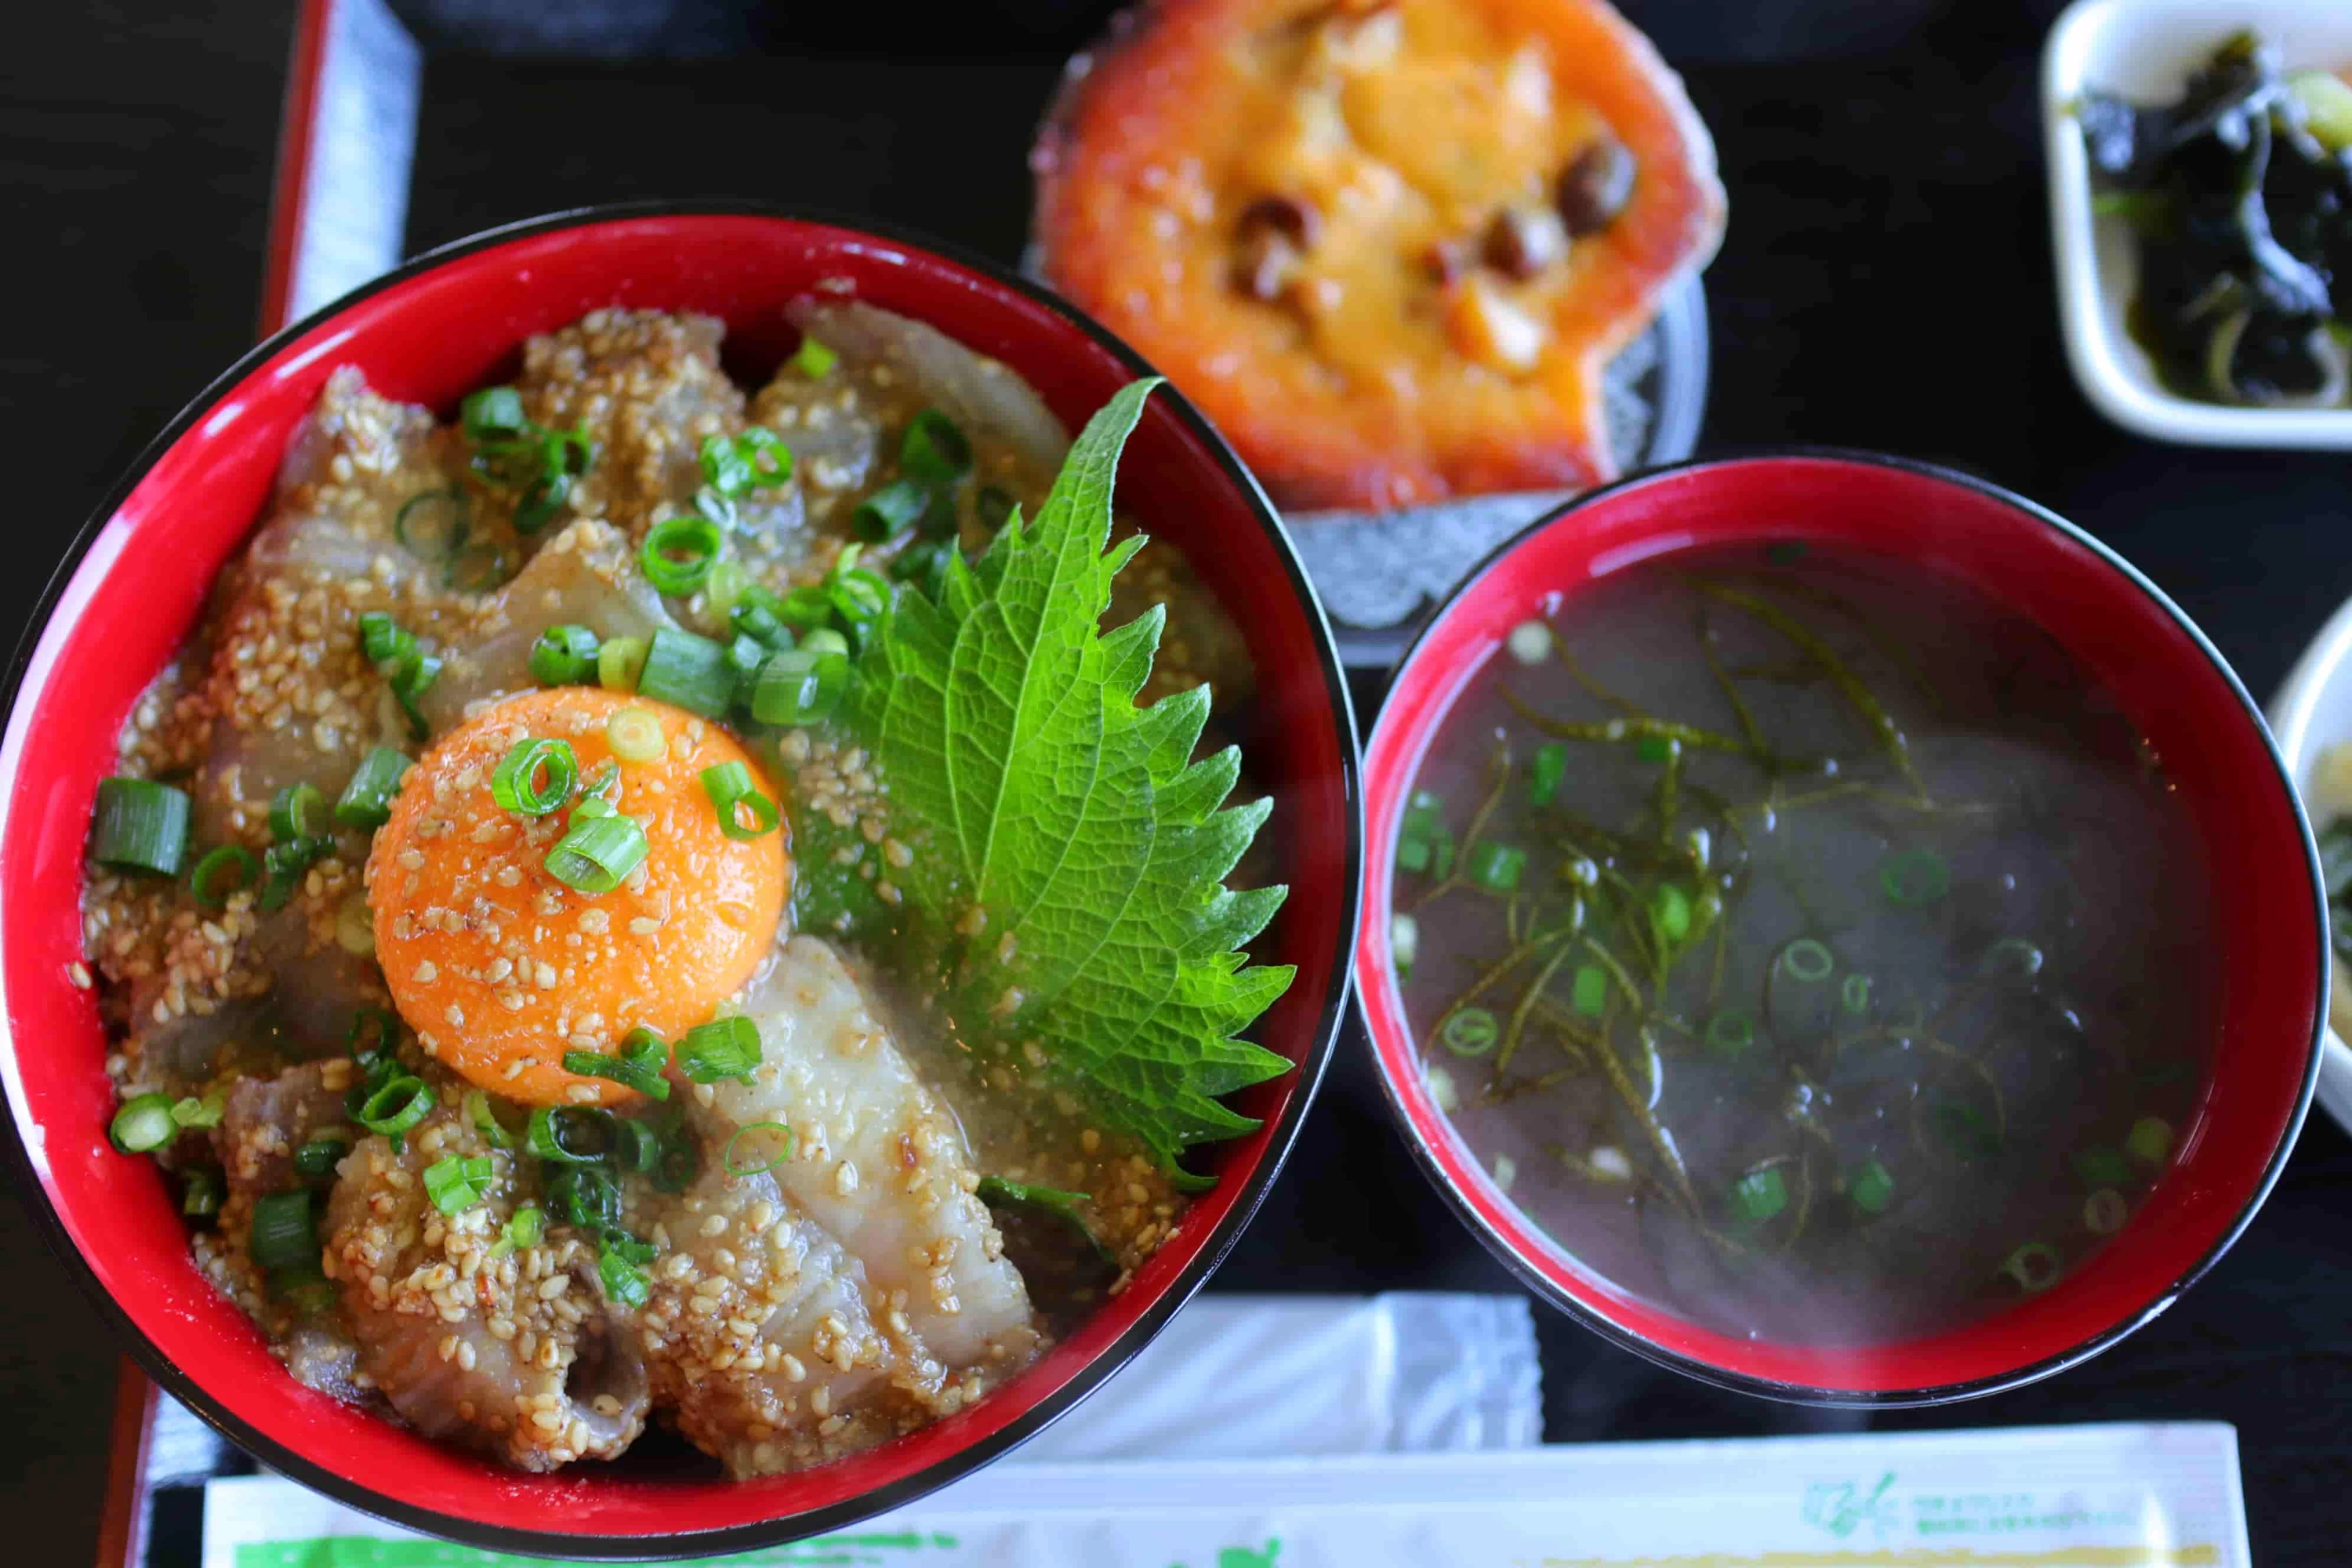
x,y
1885,283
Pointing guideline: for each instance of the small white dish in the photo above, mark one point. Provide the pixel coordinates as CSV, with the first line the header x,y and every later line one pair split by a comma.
x,y
2144,49
2313,711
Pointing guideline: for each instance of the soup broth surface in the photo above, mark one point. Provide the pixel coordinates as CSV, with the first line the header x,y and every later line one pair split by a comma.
x,y
1805,943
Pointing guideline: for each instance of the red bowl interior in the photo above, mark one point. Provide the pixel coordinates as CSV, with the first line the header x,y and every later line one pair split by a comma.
x,y
442,327
2268,911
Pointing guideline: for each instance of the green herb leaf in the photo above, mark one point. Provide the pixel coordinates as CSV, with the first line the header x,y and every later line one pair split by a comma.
x,y
1071,855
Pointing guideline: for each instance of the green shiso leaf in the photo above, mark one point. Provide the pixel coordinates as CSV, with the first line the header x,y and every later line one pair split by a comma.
x,y
1070,857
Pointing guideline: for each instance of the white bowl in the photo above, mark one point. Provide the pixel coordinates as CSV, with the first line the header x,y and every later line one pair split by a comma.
x,y
2144,50
2312,712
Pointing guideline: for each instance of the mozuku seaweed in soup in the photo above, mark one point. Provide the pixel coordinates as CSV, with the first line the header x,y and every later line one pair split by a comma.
x,y
1804,942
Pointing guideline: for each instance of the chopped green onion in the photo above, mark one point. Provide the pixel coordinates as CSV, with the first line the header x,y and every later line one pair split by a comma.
x,y
824,639
1807,961
804,609
813,359
367,800
374,1032
432,525
2011,955
680,1164
139,825
1654,748
316,1161
396,1107
644,1055
200,1195
2100,1166
1759,1195
799,686
602,786
286,861
297,811
777,1134
569,1134
190,1112
640,1147
143,1125
1496,866
492,414
624,1283
1550,771
756,618
891,511
597,854
2035,1267
529,1224
1854,995
729,786
205,882
635,735
584,1195
1589,992
518,784
934,450
477,569
1405,944
385,641
458,1183
679,553
305,1289
2150,1141
1730,1031
722,1048
720,512
485,1121
564,656
745,656
1915,876
618,663
2104,1211
284,1235
687,671
1471,1032
1670,913
859,599
1870,1187
1529,642
629,1247
756,459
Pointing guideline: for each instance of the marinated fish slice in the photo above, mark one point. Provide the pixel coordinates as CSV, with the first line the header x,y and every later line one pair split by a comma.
x,y
513,1349
648,389
878,1160
758,1330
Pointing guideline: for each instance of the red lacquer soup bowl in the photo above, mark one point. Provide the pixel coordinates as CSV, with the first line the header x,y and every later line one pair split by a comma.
x,y
445,324
2269,908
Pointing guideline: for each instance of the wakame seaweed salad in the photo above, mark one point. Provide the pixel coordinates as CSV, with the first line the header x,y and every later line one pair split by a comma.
x,y
2241,197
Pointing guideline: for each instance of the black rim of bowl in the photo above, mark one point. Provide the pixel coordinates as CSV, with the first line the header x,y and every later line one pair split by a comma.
x,y
785,1527
1533,1277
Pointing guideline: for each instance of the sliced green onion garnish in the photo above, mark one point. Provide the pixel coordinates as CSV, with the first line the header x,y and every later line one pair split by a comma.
x,y
541,502
305,1289
597,854
2011,955
1548,773
385,641
690,672
644,1055
680,1164
804,609
492,414
722,1048
316,1161
2035,1267
1471,1032
2100,1166
860,599
432,526
1807,961
139,825
891,511
624,1283
569,1134
745,659
770,1135
813,359
564,655
1915,876
2104,1211
618,663
485,1121
2150,1141
756,459
1730,1031
1589,992
367,800
143,1124
1854,995
679,553
799,686
190,1111
374,1032
529,1224
757,620
635,735
584,1195
231,869
396,1106
297,811
1759,1195
1670,912
640,1147
824,639
1871,1186
933,450
286,861
1654,749
458,1183
476,569
284,1235
200,1193
729,786
535,777
1496,866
